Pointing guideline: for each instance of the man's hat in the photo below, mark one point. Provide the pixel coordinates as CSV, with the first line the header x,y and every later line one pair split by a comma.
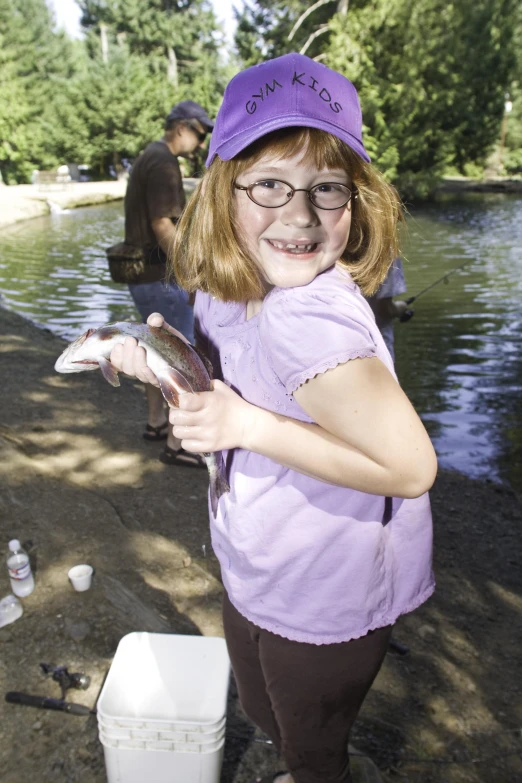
x,y
286,92
190,110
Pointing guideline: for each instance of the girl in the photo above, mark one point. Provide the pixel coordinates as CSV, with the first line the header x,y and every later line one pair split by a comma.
x,y
325,536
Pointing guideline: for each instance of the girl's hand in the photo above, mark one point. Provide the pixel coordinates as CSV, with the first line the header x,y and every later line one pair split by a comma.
x,y
131,359
212,421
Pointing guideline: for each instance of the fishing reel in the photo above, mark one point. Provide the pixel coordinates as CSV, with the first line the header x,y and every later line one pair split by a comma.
x,y
66,679
406,316
409,313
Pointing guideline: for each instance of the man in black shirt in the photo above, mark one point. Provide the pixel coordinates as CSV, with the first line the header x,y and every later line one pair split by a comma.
x,y
154,200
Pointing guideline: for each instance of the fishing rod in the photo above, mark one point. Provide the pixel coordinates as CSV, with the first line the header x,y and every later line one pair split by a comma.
x,y
444,279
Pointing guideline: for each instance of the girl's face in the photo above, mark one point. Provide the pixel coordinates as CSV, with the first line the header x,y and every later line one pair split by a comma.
x,y
294,243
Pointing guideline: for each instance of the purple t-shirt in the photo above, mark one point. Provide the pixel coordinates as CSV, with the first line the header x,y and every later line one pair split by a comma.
x,y
299,557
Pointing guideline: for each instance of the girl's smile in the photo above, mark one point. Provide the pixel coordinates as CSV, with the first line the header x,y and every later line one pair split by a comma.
x,y
293,243
294,248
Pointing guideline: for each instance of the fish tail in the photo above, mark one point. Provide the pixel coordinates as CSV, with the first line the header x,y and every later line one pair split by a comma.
x,y
218,479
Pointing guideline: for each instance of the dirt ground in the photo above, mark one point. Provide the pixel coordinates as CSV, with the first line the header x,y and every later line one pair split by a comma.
x,y
78,484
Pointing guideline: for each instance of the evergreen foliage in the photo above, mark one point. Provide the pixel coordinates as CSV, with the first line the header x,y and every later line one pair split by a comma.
x,y
427,103
264,27
433,77
512,158
32,57
81,102
111,110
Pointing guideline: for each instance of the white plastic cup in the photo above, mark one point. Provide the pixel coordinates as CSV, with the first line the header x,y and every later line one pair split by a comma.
x,y
81,577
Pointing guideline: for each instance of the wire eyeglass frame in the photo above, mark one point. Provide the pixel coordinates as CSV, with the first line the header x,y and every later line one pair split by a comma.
x,y
351,193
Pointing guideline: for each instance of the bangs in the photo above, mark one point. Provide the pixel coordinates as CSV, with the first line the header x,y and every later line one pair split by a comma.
x,y
318,148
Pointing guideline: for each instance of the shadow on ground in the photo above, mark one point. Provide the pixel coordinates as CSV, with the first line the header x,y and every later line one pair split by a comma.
x,y
78,484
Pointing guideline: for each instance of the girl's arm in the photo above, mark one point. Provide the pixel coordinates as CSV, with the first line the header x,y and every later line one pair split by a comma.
x,y
369,439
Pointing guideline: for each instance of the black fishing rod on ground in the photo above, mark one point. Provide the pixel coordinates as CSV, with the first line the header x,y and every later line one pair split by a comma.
x,y
407,314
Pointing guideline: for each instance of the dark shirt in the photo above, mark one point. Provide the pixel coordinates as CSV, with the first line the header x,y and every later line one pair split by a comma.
x,y
155,190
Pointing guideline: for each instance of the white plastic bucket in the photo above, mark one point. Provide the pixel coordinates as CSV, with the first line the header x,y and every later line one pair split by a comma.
x,y
167,682
135,724
125,733
160,766
172,747
162,725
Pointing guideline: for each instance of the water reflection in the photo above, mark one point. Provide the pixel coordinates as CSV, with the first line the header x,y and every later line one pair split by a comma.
x,y
54,270
459,358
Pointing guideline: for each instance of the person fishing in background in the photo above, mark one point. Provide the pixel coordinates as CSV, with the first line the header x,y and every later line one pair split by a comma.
x,y
325,536
153,203
385,308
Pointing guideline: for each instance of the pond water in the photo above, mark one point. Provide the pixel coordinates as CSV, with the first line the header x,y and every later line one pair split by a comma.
x,y
459,358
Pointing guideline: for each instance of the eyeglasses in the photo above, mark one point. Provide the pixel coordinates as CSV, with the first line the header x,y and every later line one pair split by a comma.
x,y
272,193
202,135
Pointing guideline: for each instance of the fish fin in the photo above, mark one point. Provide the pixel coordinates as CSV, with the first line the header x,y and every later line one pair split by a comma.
x,y
172,383
206,361
169,391
181,379
84,336
109,371
218,479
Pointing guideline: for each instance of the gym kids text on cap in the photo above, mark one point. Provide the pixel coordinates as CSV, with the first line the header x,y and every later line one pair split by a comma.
x,y
289,91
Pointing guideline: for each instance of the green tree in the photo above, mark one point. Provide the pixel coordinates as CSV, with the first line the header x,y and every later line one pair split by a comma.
x,y
32,56
427,102
15,115
271,28
109,111
512,158
179,39
153,53
431,75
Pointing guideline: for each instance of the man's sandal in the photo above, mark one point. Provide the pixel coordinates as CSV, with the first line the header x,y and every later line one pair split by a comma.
x,y
181,457
156,433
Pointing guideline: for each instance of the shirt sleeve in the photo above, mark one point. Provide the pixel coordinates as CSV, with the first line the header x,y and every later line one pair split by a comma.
x,y
164,192
306,334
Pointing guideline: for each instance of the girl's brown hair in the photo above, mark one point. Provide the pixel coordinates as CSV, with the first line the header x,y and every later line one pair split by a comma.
x,y
207,252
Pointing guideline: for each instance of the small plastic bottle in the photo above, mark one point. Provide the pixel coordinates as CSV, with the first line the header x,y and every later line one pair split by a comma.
x,y
19,567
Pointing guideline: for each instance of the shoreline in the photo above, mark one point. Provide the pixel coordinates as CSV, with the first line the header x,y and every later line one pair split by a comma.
x,y
24,202
501,185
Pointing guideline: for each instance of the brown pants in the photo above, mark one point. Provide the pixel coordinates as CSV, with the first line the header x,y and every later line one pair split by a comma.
x,y
305,697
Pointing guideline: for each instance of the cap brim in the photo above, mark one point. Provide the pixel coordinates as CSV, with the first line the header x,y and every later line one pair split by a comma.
x,y
233,146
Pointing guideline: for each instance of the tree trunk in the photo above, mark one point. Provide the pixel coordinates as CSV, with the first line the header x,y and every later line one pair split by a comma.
x,y
172,67
104,42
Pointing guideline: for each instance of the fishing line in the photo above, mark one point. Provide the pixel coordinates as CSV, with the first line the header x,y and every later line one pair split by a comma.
x,y
444,279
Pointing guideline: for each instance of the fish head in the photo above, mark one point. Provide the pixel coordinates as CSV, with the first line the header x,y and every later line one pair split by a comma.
x,y
87,350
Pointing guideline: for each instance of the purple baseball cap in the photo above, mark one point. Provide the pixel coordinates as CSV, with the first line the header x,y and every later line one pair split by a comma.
x,y
289,91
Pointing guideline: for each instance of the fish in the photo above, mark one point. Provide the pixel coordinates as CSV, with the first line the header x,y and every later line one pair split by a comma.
x,y
178,366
